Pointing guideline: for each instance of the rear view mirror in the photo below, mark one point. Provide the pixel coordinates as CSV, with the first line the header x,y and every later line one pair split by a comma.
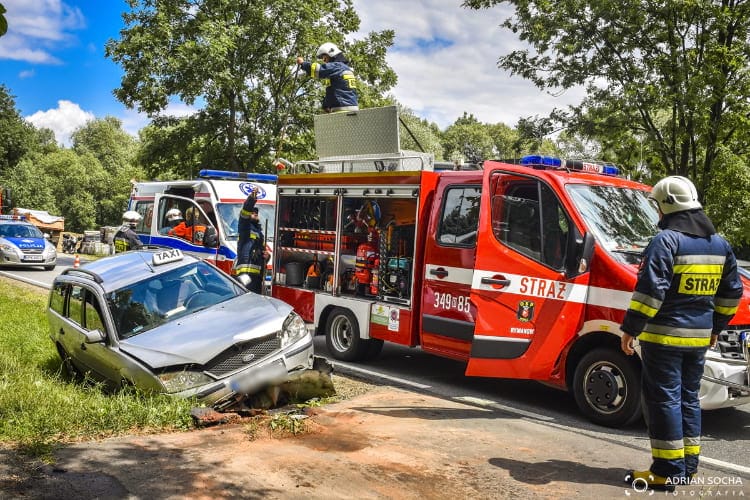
x,y
580,251
94,336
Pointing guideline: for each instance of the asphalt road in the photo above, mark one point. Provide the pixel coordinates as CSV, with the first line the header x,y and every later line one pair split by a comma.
x,y
726,433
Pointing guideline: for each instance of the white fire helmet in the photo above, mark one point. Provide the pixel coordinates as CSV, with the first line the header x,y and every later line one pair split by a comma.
x,y
675,194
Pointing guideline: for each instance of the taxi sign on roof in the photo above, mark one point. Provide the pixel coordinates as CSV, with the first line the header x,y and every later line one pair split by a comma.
x,y
166,256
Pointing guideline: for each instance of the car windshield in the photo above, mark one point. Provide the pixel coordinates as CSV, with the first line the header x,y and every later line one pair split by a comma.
x,y
19,231
229,214
623,220
167,296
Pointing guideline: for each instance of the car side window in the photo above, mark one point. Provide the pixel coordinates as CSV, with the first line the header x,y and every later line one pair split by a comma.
x,y
528,217
75,304
57,298
92,319
459,220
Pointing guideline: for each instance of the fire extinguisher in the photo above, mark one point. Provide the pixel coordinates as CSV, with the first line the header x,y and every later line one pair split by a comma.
x,y
375,277
366,254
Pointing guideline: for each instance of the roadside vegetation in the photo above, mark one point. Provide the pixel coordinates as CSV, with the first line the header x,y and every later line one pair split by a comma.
x,y
40,407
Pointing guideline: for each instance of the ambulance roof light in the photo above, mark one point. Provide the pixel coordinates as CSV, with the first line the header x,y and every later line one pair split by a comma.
x,y
245,176
541,162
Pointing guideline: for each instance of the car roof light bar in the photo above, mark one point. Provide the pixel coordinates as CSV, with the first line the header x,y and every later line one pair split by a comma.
x,y
245,176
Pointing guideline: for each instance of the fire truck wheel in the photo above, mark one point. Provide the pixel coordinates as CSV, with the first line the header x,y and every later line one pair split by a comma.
x,y
342,336
607,387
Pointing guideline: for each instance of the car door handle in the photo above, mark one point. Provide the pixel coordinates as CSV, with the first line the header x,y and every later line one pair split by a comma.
x,y
83,346
440,272
62,331
495,281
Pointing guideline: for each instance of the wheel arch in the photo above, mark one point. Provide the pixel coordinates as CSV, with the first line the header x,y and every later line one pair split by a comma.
x,y
587,343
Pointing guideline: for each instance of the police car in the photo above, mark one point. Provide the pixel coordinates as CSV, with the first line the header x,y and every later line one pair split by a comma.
x,y
164,321
23,244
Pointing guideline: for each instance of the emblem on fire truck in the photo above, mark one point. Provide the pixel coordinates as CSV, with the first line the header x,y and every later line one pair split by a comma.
x,y
525,311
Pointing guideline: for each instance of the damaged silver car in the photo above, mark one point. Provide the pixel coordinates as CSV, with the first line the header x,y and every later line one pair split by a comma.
x,y
164,321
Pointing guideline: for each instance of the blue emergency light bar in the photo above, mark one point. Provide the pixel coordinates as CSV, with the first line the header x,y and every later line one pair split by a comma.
x,y
245,176
541,162
12,217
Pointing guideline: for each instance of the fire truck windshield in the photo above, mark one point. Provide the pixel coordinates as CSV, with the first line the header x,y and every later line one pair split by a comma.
x,y
623,220
229,215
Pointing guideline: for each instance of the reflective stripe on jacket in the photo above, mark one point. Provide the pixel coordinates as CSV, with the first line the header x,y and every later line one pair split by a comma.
x,y
340,82
688,288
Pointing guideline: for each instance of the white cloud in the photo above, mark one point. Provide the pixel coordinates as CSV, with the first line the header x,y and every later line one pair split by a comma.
x,y
446,57
29,73
63,120
36,28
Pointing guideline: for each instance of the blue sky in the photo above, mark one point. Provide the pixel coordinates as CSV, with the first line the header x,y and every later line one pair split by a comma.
x,y
52,60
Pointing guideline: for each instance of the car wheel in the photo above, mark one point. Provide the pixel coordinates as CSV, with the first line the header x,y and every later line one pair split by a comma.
x,y
67,364
342,336
607,387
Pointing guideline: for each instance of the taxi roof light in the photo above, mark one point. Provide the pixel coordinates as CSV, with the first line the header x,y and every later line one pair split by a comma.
x,y
543,162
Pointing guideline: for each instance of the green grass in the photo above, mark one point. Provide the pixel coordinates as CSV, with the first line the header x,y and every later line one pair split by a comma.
x,y
41,408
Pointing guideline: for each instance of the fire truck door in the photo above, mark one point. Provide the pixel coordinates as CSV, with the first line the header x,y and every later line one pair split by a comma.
x,y
528,293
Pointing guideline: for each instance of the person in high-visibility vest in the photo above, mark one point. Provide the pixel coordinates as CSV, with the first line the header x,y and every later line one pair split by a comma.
x,y
125,238
688,289
251,246
338,77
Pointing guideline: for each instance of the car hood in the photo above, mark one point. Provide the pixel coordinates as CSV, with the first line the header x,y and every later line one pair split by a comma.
x,y
27,243
199,337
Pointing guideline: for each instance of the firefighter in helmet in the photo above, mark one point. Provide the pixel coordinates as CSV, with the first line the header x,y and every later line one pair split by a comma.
x,y
125,238
688,289
338,76
174,218
251,246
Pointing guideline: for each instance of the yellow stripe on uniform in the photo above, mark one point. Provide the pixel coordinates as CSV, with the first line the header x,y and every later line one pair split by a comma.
x,y
656,338
692,450
698,269
643,308
667,454
726,311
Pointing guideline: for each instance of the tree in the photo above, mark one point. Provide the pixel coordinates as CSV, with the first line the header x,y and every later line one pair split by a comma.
x,y
468,140
235,59
17,137
3,21
114,151
418,134
669,72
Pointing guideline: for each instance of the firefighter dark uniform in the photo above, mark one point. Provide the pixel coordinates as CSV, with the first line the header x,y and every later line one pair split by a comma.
x,y
251,246
125,238
688,289
337,76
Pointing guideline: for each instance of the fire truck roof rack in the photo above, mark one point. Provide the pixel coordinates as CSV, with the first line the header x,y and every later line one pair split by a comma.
x,y
366,140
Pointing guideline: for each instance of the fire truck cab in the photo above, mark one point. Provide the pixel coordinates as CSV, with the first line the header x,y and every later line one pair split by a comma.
x,y
214,201
522,271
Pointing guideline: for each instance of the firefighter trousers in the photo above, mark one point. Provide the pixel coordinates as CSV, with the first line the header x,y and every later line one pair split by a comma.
x,y
671,382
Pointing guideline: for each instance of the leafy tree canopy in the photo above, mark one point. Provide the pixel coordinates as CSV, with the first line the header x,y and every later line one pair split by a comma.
x,y
671,74
17,137
235,60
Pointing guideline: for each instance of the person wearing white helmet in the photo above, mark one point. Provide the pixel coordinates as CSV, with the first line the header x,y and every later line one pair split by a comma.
x,y
338,77
687,291
125,238
174,217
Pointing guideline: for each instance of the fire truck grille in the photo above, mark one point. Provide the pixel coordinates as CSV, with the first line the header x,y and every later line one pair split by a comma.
x,y
241,355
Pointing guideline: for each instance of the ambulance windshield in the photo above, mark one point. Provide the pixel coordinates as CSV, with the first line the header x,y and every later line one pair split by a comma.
x,y
622,220
229,216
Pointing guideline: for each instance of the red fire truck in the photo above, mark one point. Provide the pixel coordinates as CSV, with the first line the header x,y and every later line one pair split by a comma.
x,y
521,270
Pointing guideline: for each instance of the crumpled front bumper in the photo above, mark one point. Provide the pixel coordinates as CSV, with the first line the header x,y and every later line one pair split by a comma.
x,y
726,379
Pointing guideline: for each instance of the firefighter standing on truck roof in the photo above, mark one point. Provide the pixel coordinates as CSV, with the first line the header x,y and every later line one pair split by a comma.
x,y
251,246
687,291
338,77
125,238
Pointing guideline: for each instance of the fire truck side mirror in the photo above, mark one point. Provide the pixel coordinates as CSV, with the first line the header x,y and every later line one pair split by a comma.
x,y
580,257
